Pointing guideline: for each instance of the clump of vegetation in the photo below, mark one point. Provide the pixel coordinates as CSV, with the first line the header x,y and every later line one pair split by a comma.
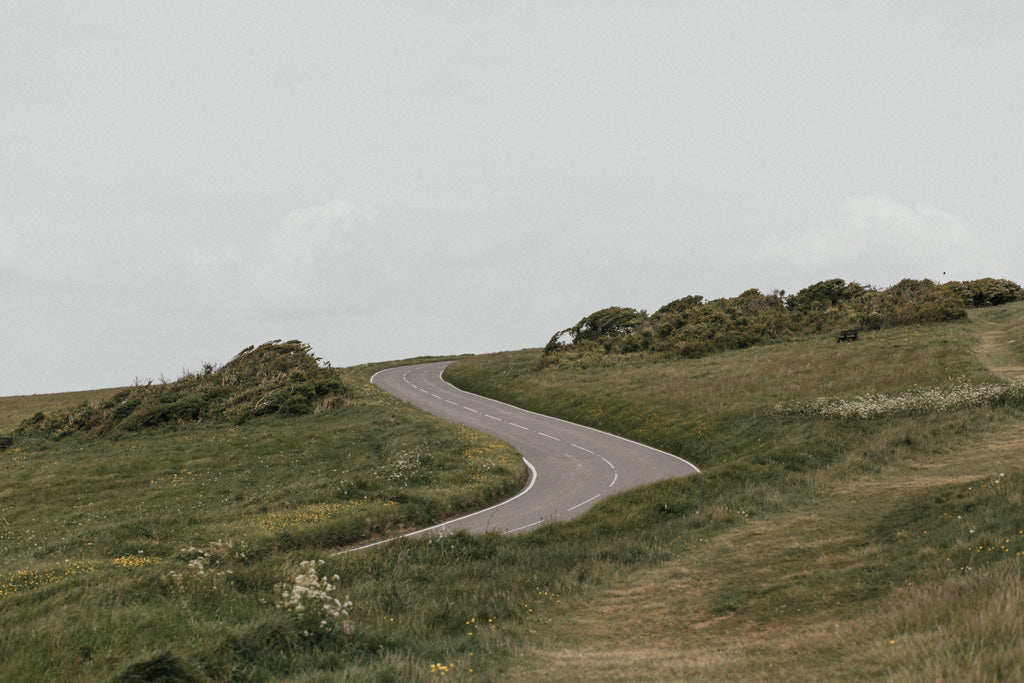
x,y
693,327
276,378
987,292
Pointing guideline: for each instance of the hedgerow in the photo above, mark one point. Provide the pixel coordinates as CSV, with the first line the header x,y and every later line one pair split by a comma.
x,y
693,327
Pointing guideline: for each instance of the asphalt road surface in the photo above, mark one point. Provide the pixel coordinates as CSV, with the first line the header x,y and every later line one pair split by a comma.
x,y
572,467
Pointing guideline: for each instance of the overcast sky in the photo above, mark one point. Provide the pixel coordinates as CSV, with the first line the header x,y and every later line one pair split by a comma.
x,y
391,179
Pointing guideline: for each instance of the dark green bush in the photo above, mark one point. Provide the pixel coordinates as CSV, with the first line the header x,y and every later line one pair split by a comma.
x,y
987,291
692,326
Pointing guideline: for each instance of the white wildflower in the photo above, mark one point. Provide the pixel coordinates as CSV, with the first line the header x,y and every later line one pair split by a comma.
x,y
310,597
203,567
956,396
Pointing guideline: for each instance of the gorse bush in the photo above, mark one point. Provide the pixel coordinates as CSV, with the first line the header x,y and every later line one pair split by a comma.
x,y
988,292
276,378
692,327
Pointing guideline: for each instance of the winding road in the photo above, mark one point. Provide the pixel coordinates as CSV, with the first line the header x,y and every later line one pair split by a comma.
x,y
572,467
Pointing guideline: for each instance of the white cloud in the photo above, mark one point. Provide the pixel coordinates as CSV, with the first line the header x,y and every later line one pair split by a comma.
x,y
314,256
308,232
878,238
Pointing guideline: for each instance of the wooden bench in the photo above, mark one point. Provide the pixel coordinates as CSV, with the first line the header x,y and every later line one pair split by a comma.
x,y
5,441
847,335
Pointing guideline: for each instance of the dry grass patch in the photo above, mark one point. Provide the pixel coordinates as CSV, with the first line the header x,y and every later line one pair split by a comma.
x,y
962,628
1000,341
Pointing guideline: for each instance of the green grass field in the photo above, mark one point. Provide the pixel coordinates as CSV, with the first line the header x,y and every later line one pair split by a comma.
x,y
813,546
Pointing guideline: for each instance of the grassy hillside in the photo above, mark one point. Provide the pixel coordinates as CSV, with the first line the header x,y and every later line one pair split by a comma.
x,y
169,549
816,544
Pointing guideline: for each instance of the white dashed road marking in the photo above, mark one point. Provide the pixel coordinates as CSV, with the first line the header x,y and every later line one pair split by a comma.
x,y
512,531
579,505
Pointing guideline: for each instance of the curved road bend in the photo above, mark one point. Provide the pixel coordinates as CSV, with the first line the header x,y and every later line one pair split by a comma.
x,y
571,466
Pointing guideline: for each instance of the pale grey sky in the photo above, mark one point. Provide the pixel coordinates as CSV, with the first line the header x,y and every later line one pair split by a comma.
x,y
390,179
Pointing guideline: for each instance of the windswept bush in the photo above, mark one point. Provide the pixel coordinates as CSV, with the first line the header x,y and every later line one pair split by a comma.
x,y
987,292
692,326
276,378
605,325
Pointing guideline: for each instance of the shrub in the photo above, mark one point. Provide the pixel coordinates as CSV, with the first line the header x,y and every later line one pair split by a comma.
x,y
987,292
825,294
692,326
276,378
604,326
